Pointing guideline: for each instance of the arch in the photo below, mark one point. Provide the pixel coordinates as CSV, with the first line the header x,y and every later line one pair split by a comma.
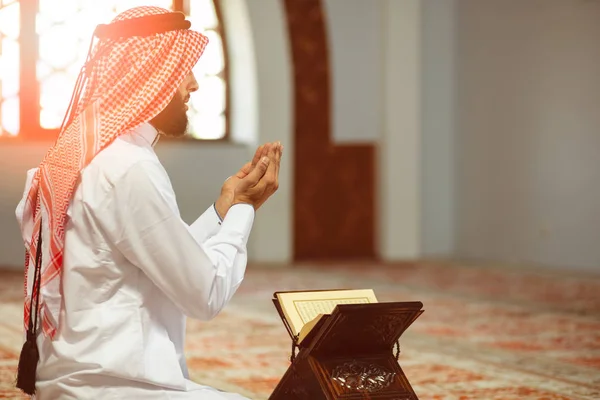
x,y
334,210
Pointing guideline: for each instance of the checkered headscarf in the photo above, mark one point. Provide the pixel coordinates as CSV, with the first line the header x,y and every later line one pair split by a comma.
x,y
126,82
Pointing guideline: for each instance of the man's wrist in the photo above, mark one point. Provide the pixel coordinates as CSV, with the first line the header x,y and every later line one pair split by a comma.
x,y
247,203
222,206
218,213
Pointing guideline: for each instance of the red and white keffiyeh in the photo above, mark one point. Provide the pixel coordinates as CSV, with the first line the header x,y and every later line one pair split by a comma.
x,y
131,80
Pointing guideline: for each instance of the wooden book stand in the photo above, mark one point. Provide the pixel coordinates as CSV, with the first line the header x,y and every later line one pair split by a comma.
x,y
349,355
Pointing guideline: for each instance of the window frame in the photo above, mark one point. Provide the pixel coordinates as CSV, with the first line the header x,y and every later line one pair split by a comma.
x,y
30,129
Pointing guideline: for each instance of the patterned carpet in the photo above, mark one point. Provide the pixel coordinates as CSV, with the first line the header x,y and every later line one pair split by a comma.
x,y
485,334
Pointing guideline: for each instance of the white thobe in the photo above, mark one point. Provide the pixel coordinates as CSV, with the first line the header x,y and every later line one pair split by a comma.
x,y
133,271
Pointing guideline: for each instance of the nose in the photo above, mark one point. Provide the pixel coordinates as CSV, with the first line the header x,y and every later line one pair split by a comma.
x,y
193,85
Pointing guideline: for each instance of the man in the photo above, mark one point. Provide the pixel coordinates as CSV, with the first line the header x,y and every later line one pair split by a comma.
x,y
119,271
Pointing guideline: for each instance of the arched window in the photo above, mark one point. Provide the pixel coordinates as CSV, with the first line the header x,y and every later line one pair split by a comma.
x,y
43,44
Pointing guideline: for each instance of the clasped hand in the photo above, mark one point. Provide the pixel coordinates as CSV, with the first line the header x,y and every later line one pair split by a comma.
x,y
255,182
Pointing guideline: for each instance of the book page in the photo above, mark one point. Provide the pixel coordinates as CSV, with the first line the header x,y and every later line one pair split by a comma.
x,y
302,307
309,309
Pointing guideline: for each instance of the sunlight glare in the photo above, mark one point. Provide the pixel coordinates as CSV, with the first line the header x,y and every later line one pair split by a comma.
x,y
10,116
10,21
56,47
65,28
212,61
203,14
55,93
208,126
64,37
56,11
211,96
123,5
43,70
9,68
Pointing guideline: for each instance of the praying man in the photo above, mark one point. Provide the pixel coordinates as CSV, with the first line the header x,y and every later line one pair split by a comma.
x,y
111,270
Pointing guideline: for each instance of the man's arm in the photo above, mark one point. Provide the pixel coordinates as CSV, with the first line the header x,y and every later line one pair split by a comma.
x,y
206,225
141,218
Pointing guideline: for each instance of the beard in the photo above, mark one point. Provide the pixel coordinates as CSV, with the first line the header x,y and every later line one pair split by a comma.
x,y
173,120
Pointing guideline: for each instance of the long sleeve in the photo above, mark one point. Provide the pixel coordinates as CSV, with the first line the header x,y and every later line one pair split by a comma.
x,y
25,221
206,225
198,272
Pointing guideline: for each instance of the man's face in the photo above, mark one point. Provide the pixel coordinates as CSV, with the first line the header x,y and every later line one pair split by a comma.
x,y
173,120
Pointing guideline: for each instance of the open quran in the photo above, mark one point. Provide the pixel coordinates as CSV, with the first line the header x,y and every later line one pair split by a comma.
x,y
302,311
347,345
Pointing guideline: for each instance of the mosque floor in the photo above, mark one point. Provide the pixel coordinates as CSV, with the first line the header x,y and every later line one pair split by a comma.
x,y
487,332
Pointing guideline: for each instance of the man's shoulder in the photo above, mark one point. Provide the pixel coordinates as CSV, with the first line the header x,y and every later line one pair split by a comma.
x,y
116,160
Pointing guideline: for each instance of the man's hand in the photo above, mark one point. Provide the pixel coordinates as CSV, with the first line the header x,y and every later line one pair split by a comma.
x,y
262,181
226,198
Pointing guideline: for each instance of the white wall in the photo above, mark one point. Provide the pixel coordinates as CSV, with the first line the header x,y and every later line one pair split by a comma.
x,y
399,167
375,49
271,239
356,57
438,90
529,124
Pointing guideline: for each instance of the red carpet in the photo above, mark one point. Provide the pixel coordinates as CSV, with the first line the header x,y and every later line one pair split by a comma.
x,y
486,334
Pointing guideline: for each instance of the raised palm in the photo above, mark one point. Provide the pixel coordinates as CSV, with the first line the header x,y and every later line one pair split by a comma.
x,y
232,182
228,189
